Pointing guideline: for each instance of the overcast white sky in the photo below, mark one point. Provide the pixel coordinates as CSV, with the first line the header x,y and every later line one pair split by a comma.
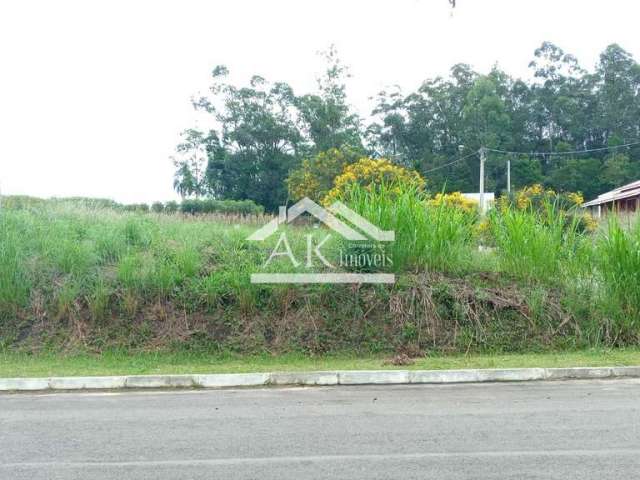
x,y
94,94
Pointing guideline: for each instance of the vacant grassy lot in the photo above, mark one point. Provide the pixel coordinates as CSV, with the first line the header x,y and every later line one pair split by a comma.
x,y
82,280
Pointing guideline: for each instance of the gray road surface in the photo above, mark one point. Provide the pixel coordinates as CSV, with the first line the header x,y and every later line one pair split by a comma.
x,y
563,430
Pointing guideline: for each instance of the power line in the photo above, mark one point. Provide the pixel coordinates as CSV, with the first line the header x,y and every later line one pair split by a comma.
x,y
574,152
451,163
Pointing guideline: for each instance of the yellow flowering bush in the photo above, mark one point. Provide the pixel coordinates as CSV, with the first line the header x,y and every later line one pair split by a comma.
x,y
303,183
454,199
531,195
316,175
590,223
369,172
483,226
576,198
538,199
535,196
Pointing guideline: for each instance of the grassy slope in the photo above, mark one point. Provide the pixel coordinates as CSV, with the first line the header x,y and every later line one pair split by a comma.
x,y
22,365
75,279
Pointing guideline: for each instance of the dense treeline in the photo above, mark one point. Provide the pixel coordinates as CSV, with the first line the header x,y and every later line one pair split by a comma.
x,y
265,131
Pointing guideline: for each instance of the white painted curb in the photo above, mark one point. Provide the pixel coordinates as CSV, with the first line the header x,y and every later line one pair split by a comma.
x,y
340,377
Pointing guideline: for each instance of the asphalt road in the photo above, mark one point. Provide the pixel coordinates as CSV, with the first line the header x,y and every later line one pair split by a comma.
x,y
561,430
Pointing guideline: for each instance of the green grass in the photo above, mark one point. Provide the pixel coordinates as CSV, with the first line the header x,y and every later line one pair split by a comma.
x,y
75,278
23,365
618,253
537,246
434,238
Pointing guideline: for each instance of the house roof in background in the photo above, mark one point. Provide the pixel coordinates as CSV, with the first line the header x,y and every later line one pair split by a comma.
x,y
626,191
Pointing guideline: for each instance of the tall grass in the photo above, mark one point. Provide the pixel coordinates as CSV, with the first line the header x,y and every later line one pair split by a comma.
x,y
61,265
617,258
14,281
541,246
69,256
436,238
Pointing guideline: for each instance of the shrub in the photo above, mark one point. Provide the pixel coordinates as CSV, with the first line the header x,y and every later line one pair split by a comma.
x,y
88,202
316,175
191,206
371,174
137,207
537,198
454,199
171,207
242,207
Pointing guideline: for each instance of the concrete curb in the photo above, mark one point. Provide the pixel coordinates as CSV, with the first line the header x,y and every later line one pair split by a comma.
x,y
340,377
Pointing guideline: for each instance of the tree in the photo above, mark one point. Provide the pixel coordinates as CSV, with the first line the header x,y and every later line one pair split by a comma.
x,y
562,99
577,175
618,80
487,122
326,117
258,141
265,133
618,170
189,177
184,181
315,177
525,171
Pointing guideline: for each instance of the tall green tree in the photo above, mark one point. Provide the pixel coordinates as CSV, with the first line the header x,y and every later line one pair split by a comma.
x,y
617,170
577,175
258,141
264,132
618,93
189,178
326,117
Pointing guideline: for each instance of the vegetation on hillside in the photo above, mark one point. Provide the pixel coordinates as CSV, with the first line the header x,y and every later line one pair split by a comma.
x,y
78,278
535,273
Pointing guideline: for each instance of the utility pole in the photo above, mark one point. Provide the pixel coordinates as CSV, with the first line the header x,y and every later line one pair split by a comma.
x,y
509,176
483,154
